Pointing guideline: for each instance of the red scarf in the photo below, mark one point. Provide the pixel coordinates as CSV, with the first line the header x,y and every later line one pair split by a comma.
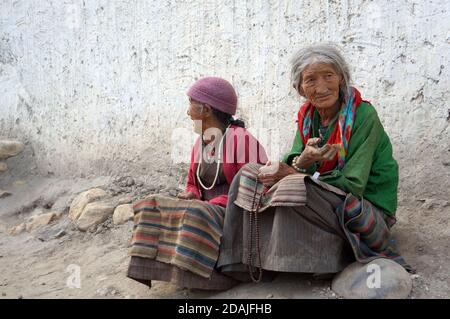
x,y
341,133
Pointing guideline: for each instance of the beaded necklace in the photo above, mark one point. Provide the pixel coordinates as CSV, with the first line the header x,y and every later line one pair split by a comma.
x,y
219,155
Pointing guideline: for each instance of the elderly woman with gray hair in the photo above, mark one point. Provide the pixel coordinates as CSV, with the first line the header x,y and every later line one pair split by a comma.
x,y
333,197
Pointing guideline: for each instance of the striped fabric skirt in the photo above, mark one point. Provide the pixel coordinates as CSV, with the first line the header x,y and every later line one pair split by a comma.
x,y
366,228
173,237
320,230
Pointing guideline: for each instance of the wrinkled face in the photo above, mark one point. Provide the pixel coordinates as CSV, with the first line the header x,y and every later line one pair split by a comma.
x,y
197,114
195,110
320,85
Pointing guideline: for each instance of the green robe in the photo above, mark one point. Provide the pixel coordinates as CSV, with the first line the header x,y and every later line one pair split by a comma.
x,y
370,170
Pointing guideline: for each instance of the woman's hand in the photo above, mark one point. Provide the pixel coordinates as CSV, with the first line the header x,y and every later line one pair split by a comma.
x,y
312,153
186,195
272,173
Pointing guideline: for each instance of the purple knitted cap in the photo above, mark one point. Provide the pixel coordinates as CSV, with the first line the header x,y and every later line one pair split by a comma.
x,y
216,92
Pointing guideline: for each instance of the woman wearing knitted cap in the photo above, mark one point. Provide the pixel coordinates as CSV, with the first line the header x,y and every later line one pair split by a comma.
x,y
177,240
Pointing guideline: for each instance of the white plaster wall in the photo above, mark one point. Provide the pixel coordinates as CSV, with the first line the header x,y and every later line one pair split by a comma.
x,y
98,87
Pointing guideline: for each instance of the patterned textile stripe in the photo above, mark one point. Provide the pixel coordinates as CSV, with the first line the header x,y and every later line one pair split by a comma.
x,y
290,191
367,231
247,184
178,232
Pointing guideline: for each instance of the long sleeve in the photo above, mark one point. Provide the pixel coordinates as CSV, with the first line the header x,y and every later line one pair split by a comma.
x,y
297,149
191,186
370,170
363,144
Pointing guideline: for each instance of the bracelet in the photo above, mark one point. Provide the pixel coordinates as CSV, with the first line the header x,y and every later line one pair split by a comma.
x,y
294,165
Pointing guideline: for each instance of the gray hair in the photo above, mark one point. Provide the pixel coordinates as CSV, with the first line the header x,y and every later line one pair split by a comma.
x,y
320,53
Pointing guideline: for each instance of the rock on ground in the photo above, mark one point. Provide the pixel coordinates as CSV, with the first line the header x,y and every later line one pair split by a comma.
x,y
35,222
3,167
10,148
94,214
380,279
123,213
4,193
80,202
125,200
17,229
38,221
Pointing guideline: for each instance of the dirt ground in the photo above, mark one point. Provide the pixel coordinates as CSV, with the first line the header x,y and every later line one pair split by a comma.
x,y
38,265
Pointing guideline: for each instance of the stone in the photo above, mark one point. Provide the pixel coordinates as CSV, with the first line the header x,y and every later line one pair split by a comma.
x,y
380,279
122,214
3,167
49,234
95,214
433,203
115,190
38,221
125,200
83,199
17,229
10,148
129,181
4,193
125,181
139,183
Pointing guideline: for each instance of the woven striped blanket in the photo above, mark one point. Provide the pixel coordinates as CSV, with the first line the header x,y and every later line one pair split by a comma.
x,y
184,233
368,231
290,191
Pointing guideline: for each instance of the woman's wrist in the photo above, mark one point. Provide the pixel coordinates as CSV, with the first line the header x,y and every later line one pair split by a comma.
x,y
296,166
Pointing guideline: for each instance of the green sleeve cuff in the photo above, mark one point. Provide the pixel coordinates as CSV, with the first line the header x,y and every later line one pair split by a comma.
x,y
289,157
312,169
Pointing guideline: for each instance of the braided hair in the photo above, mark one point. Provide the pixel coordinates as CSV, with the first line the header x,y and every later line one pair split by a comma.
x,y
227,119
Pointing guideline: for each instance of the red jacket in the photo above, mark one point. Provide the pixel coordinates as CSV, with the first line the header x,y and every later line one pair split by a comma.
x,y
244,149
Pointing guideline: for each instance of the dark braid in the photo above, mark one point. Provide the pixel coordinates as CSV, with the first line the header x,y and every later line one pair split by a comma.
x,y
227,119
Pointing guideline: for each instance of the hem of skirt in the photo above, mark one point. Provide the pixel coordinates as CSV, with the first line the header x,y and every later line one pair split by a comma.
x,y
175,275
203,275
277,266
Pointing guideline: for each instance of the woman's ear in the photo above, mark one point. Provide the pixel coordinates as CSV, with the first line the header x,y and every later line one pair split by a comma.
x,y
301,91
207,110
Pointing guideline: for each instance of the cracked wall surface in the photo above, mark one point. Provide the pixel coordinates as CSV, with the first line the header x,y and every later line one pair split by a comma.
x,y
98,87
